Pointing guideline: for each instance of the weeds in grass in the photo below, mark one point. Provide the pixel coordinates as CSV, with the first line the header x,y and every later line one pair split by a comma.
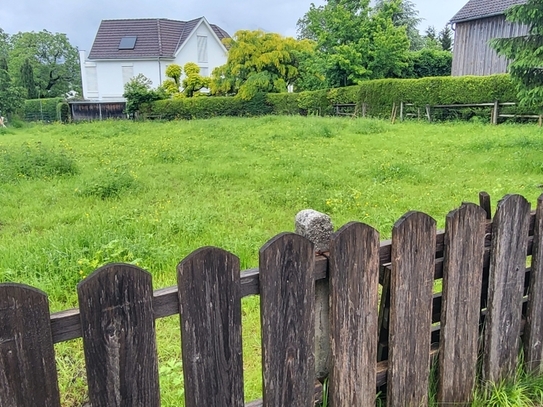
x,y
109,183
34,161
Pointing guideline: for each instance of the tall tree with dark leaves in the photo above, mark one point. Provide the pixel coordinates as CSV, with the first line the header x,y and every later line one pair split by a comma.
x,y
445,38
54,60
11,97
526,52
27,79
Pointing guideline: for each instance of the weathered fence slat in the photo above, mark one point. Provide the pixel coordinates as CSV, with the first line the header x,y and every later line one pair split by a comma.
x,y
413,257
210,312
354,277
506,285
287,291
462,275
533,335
28,375
119,337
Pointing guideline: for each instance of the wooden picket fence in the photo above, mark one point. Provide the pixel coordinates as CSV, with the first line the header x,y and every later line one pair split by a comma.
x,y
375,339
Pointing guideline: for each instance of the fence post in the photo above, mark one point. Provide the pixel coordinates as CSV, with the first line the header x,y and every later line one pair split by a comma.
x,y
495,112
317,227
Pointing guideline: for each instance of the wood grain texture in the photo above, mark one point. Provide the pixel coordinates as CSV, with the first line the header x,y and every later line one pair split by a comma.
x,y
462,276
119,337
287,291
506,286
485,203
28,375
413,258
354,275
210,312
533,336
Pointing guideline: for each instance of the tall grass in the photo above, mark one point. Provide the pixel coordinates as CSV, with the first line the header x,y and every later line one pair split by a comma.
x,y
73,197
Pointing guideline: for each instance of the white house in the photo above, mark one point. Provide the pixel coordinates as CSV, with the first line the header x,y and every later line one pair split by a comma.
x,y
123,49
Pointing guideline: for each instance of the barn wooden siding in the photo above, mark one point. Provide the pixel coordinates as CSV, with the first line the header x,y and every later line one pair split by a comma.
x,y
472,54
490,301
88,111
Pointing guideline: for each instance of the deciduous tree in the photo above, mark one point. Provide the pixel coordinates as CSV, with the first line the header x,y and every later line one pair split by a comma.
x,y
526,52
55,62
356,42
259,62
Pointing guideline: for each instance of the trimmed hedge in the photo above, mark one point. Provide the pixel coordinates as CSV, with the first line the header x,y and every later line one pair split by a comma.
x,y
206,107
379,96
41,109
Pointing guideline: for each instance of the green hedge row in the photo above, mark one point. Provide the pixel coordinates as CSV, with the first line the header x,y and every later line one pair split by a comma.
x,y
41,109
206,107
378,95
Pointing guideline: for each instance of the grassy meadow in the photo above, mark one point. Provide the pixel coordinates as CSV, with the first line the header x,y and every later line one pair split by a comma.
x,y
75,197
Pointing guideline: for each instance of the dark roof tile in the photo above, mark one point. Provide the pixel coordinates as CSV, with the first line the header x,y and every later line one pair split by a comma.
x,y
475,9
155,38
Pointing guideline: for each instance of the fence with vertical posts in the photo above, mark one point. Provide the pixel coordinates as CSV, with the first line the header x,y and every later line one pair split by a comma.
x,y
374,340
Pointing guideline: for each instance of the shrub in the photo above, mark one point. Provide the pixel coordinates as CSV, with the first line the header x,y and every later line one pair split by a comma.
x,y
109,183
63,112
379,96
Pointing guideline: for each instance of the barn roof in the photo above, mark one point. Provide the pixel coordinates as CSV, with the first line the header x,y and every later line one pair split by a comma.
x,y
154,37
476,9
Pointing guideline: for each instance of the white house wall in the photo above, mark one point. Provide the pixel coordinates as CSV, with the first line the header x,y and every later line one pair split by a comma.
x,y
109,74
216,55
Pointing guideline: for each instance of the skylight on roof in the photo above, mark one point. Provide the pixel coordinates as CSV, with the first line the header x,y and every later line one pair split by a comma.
x,y
128,42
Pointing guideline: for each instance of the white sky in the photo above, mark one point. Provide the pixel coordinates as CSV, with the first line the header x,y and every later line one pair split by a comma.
x,y
80,19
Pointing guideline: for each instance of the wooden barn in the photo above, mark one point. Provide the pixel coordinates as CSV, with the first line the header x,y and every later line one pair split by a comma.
x,y
474,26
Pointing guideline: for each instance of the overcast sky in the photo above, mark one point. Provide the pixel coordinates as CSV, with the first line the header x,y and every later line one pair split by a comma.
x,y
80,19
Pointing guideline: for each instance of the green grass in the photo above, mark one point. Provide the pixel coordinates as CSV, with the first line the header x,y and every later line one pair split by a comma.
x,y
73,197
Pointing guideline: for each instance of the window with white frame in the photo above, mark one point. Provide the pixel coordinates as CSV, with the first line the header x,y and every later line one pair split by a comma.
x,y
92,78
128,73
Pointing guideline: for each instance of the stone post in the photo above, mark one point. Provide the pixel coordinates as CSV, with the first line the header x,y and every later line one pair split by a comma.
x,y
318,228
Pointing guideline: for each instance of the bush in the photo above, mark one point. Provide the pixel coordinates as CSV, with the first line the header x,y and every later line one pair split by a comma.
x,y
63,112
109,183
41,109
379,96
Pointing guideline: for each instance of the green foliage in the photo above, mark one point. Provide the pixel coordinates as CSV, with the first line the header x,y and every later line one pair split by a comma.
x,y
379,95
204,108
11,97
41,109
109,183
34,161
137,91
406,15
428,62
174,71
27,80
259,62
356,43
525,52
193,82
54,62
63,112
446,38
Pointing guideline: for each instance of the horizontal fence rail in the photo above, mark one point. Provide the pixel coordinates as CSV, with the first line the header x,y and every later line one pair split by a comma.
x,y
488,296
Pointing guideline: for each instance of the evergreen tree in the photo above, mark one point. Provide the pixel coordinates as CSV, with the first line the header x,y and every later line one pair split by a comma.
x,y
445,38
27,79
526,52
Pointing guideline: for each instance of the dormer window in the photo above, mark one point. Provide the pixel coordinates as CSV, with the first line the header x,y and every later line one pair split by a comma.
x,y
128,42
